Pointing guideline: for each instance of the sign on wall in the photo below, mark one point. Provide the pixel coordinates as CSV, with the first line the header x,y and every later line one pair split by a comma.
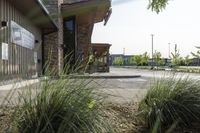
x,y
4,51
21,36
35,57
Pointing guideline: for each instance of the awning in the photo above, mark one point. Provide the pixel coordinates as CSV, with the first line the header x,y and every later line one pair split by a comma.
x,y
100,8
35,11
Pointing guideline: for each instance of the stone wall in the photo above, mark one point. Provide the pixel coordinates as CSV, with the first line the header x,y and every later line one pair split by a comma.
x,y
54,41
51,51
83,40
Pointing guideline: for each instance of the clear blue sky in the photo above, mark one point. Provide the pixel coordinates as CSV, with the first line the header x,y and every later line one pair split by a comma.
x,y
131,25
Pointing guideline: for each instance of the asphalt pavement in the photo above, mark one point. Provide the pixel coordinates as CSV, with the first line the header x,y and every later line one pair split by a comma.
x,y
120,89
133,89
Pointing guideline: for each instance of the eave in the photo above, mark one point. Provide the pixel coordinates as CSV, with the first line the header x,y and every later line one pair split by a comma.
x,y
99,8
36,13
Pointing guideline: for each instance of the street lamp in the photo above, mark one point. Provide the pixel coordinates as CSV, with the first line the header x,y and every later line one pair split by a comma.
x,y
169,50
152,35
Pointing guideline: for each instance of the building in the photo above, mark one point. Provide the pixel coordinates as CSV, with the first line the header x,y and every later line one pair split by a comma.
x,y
101,57
34,32
127,59
194,62
113,56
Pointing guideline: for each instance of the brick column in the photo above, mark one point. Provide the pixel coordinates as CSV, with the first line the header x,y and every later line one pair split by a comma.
x,y
60,38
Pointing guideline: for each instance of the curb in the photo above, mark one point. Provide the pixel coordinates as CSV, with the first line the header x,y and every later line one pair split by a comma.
x,y
24,83
108,77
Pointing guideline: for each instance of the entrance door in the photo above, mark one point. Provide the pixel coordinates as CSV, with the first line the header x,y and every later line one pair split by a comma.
x,y
69,48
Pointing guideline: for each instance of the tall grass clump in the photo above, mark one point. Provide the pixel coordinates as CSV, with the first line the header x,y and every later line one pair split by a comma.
x,y
63,105
171,101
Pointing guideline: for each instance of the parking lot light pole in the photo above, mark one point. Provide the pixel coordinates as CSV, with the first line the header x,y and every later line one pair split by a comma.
x,y
169,50
152,37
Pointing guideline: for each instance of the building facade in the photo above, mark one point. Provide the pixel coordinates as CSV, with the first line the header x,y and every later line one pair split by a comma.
x,y
101,54
34,32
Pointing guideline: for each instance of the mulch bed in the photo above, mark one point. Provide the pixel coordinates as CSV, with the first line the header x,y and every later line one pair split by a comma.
x,y
5,119
123,118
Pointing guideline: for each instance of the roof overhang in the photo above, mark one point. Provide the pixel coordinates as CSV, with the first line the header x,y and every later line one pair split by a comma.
x,y
101,45
99,8
100,48
35,11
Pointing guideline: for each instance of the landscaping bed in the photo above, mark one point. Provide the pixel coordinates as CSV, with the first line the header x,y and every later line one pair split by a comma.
x,y
5,118
122,118
176,69
171,105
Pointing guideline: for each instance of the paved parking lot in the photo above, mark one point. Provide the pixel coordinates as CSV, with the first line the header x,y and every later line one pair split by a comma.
x,y
118,89
123,90
134,89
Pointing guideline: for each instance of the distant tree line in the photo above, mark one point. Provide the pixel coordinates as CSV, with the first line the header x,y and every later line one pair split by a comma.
x,y
158,60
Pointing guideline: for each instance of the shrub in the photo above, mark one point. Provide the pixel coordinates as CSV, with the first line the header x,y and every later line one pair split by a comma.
x,y
63,105
171,101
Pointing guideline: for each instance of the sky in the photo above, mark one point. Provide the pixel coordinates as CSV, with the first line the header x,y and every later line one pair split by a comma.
x,y
131,25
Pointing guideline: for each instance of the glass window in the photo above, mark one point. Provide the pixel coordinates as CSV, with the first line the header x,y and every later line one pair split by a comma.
x,y
69,25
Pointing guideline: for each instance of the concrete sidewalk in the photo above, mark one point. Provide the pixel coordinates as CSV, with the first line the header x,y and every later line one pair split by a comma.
x,y
19,84
23,83
119,86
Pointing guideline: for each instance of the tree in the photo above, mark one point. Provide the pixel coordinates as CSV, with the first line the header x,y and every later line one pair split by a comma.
x,y
187,60
157,58
128,61
138,59
118,61
176,57
132,61
162,62
145,59
157,5
197,55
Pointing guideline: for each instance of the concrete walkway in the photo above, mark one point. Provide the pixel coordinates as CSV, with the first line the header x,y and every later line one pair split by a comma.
x,y
19,84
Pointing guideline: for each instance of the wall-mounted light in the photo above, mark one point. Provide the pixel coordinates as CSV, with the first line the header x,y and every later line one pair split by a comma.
x,y
36,41
4,23
38,61
62,45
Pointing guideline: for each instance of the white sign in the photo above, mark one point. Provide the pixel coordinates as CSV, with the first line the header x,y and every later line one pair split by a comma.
x,y
4,51
21,36
35,57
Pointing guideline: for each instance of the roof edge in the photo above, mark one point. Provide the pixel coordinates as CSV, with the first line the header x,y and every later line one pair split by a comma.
x,y
46,12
